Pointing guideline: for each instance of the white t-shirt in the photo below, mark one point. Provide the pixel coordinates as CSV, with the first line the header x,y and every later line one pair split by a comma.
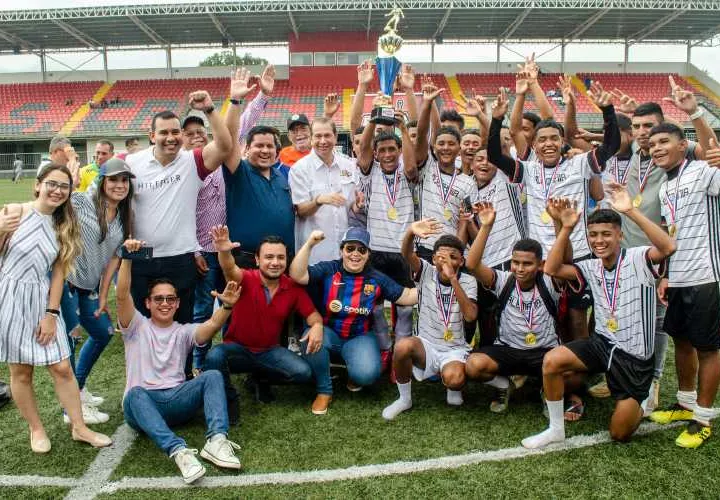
x,y
616,170
310,177
697,221
430,323
166,200
386,232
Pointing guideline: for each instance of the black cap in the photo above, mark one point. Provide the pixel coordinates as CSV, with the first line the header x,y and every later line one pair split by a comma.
x,y
297,119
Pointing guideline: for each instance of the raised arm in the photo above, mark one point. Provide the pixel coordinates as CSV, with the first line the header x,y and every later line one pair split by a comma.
x,y
366,156
299,265
486,212
684,100
255,108
408,149
475,107
506,164
516,116
331,105
422,148
123,299
407,84
541,102
611,131
224,247
207,330
366,74
421,229
555,265
571,127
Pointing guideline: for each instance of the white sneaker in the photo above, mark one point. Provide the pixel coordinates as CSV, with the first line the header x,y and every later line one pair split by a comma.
x,y
90,399
190,467
91,415
221,451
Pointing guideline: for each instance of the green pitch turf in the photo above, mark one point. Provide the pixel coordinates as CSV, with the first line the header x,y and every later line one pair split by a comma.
x,y
14,193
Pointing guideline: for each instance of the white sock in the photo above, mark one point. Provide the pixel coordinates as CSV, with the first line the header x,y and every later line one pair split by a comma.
x,y
454,398
553,434
404,402
702,415
405,391
687,399
499,382
215,437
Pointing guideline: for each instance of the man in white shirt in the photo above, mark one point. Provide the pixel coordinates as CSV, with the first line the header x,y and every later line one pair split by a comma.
x,y
323,186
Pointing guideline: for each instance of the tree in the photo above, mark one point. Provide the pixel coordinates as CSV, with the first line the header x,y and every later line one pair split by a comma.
x,y
225,58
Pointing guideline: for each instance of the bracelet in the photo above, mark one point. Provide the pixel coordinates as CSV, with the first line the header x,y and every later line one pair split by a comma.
x,y
225,306
697,114
55,312
236,102
209,110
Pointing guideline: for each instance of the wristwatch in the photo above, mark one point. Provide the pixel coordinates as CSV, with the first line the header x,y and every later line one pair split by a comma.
x,y
226,307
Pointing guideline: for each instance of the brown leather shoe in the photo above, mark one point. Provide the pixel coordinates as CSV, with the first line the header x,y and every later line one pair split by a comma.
x,y
321,403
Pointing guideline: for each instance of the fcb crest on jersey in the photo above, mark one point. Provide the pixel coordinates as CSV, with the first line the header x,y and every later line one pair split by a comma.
x,y
368,289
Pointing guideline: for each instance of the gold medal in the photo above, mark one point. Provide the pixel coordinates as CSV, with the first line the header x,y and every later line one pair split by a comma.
x,y
637,201
447,214
672,230
392,213
545,217
335,306
523,198
612,325
530,338
448,336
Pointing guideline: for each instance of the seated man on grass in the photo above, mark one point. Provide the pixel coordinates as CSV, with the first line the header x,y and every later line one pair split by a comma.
x,y
157,395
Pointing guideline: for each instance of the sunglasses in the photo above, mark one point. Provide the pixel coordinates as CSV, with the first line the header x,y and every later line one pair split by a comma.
x,y
160,299
361,249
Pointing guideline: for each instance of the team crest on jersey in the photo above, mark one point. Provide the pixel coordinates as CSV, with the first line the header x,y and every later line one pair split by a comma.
x,y
345,173
368,289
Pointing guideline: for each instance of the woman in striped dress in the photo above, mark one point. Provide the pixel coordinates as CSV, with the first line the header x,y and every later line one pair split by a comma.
x,y
43,239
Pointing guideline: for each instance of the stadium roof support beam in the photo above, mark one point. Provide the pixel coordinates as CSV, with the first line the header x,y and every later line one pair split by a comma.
x,y
293,24
151,33
652,28
510,31
443,21
14,39
706,35
369,20
582,28
81,37
221,27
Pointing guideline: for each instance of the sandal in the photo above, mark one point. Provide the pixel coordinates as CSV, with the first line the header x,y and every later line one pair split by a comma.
x,y
576,410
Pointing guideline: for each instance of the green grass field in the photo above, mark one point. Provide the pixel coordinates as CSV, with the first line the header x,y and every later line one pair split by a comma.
x,y
284,436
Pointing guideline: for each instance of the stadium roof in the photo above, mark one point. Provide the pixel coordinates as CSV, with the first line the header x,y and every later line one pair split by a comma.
x,y
273,21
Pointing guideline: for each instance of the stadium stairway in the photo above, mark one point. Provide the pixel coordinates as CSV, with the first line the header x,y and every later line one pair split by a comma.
x,y
83,110
347,96
703,89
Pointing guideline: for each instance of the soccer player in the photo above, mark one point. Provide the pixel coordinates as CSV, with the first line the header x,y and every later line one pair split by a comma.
x,y
446,299
690,207
623,284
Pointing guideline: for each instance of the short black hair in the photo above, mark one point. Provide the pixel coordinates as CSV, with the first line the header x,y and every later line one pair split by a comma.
x,y
531,117
411,124
528,245
650,108
624,122
162,115
470,131
449,240
159,281
668,128
386,135
261,130
450,115
550,123
605,216
270,240
448,130
359,130
130,140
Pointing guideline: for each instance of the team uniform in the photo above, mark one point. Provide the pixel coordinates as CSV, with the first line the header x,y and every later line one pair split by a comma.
x,y
440,322
690,207
616,170
623,343
526,327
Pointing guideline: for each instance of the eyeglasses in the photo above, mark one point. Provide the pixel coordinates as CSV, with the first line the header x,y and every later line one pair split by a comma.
x,y
169,299
54,186
362,250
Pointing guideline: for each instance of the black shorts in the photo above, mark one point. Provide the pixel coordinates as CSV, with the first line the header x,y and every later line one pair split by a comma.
x,y
394,266
693,314
581,299
627,376
512,361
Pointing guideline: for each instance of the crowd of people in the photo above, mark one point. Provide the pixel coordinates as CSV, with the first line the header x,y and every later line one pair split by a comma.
x,y
533,249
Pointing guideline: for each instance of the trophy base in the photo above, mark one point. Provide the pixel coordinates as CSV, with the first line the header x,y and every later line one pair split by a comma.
x,y
384,115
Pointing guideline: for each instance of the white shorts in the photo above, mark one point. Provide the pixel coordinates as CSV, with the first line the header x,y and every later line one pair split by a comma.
x,y
436,359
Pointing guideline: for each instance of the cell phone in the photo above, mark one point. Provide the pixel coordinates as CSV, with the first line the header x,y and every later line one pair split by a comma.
x,y
145,253
467,205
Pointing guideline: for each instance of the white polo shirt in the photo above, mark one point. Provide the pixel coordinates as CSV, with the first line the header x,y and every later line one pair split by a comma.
x,y
310,177
166,200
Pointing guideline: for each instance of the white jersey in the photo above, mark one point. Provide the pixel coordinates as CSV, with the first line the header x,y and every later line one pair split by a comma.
x,y
509,224
634,313
616,170
689,200
456,187
569,179
515,321
388,220
431,325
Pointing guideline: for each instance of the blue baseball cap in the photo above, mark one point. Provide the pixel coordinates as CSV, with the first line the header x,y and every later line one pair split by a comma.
x,y
356,234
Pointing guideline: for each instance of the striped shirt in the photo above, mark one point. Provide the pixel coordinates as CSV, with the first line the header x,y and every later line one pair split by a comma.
x,y
93,259
689,200
517,323
211,198
509,226
616,170
456,186
387,221
634,312
433,299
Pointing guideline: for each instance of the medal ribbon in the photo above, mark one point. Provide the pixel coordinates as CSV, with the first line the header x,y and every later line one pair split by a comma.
x,y
546,188
393,194
443,195
611,295
615,169
444,311
642,179
672,205
530,315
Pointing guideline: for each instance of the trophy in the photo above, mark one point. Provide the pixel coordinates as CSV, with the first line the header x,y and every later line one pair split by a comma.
x,y
388,67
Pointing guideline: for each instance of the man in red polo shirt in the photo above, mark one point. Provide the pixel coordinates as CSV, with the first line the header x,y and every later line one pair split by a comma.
x,y
252,341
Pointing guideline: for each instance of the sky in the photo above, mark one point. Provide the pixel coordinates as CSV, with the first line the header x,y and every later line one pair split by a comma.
x,y
705,58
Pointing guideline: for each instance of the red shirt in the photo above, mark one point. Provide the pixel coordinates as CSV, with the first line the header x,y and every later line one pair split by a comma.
x,y
257,325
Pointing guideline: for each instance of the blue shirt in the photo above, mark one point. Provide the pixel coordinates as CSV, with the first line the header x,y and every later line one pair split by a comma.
x,y
347,299
258,207
283,169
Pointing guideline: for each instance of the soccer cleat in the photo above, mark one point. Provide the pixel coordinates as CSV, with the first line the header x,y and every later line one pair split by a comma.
x,y
695,435
91,415
675,413
600,390
90,399
499,403
221,451
190,467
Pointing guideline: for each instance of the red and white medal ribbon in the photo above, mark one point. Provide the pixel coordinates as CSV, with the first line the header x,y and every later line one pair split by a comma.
x,y
612,295
445,312
672,204
393,194
444,196
530,315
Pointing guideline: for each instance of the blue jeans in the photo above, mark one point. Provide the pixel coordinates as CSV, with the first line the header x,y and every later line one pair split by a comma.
x,y
204,302
78,308
361,355
154,411
278,365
